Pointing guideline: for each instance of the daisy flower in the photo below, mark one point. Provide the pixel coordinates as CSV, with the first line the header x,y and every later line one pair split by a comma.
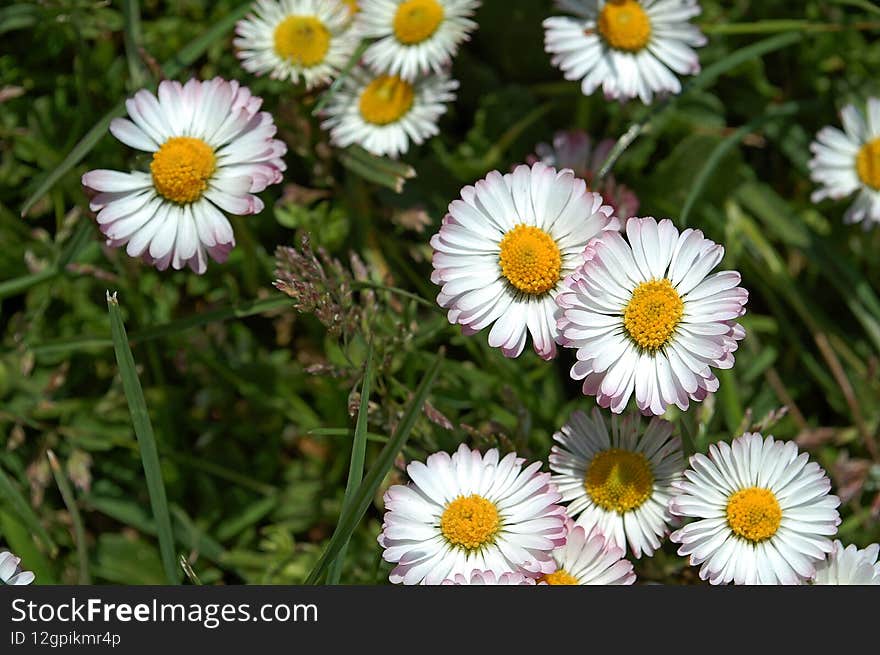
x,y
647,318
849,566
849,161
414,36
618,482
297,39
764,512
10,571
384,113
489,578
628,47
574,149
470,511
505,248
587,558
211,148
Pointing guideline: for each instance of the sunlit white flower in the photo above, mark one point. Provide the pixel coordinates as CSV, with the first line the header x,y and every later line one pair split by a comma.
x,y
505,248
384,114
588,558
212,149
848,161
10,571
647,318
618,482
628,47
297,39
764,512
489,578
414,37
470,512
849,566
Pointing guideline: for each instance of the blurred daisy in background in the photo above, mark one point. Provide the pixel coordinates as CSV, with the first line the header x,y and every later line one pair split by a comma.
x,y
468,512
647,318
574,149
505,248
618,482
628,47
587,558
489,578
11,572
297,39
212,149
849,566
764,512
414,36
384,114
848,161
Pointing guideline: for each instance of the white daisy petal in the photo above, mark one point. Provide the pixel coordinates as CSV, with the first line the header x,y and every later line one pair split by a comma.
x,y
211,146
749,529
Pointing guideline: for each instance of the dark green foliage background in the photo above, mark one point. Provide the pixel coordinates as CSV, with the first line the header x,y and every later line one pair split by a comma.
x,y
254,490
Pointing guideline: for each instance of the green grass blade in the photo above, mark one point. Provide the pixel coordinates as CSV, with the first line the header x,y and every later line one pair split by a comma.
x,y
708,168
867,5
17,504
367,490
356,467
705,79
143,429
79,532
170,68
340,79
131,12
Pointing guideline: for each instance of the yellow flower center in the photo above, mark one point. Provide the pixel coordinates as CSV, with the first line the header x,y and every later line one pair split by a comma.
x,y
625,25
302,40
653,312
470,522
868,164
560,576
182,167
754,514
619,480
386,100
530,259
417,20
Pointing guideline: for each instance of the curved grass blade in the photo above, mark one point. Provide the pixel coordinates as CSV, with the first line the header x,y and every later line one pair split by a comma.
x,y
709,75
356,467
143,429
75,518
351,517
723,148
20,507
170,68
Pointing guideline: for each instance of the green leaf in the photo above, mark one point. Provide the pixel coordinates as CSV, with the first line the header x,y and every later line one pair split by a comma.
x,y
75,518
143,429
356,467
350,519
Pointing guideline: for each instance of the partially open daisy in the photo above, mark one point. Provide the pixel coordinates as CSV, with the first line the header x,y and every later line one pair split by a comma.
x,y
11,572
212,149
470,511
414,36
647,318
628,47
849,566
383,114
848,161
764,513
505,248
296,39
588,558
619,481
489,578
